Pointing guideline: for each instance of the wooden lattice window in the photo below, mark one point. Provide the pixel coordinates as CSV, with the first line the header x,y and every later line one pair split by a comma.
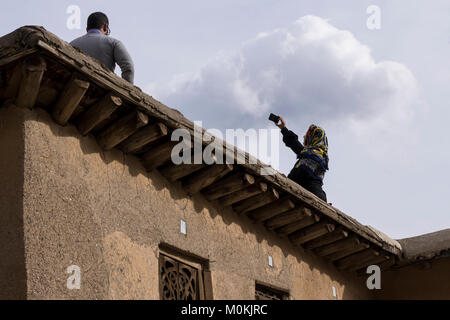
x,y
180,280
264,292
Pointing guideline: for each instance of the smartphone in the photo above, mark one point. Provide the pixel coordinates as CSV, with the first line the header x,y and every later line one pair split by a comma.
x,y
274,118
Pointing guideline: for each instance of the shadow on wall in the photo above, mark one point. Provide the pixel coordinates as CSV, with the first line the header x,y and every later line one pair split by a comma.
x,y
13,283
426,280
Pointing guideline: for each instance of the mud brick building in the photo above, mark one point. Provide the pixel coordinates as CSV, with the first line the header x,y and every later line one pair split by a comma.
x,y
86,180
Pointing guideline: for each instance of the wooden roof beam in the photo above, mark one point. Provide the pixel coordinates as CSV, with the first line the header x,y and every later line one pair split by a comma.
x,y
256,201
158,155
331,237
272,209
144,136
228,185
337,246
347,252
121,129
288,217
298,225
175,172
356,258
98,112
241,195
33,69
205,177
312,232
69,99
368,262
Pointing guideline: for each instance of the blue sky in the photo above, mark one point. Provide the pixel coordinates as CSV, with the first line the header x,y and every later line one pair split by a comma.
x,y
388,164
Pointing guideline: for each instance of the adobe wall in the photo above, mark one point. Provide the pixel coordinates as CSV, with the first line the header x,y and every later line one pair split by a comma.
x,y
429,280
104,213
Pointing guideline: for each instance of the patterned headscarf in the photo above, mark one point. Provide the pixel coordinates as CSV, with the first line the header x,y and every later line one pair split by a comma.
x,y
316,143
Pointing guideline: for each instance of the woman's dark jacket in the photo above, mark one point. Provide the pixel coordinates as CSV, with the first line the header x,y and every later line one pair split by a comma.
x,y
309,167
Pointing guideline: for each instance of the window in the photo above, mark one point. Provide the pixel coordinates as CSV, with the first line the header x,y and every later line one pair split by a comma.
x,y
180,278
266,292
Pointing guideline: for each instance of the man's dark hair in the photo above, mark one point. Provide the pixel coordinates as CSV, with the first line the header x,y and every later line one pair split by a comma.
x,y
97,20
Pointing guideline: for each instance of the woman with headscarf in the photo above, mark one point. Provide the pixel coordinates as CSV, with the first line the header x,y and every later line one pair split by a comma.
x,y
312,157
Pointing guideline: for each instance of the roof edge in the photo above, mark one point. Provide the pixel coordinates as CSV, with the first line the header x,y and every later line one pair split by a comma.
x,y
426,246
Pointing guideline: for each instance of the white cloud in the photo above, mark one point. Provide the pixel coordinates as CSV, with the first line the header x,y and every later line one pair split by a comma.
x,y
311,72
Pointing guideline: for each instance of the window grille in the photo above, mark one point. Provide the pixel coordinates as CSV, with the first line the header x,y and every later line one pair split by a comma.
x,y
178,280
263,292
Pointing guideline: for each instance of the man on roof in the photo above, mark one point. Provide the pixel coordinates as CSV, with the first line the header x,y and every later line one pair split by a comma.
x,y
97,44
309,170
